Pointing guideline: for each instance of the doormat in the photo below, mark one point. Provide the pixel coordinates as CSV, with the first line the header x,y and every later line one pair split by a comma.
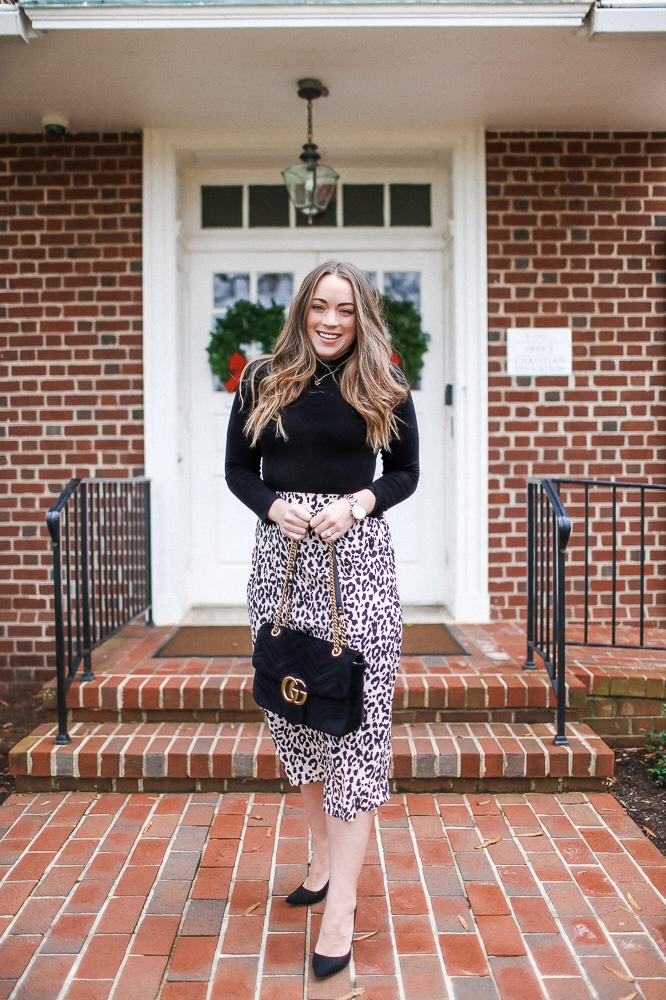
x,y
234,640
430,640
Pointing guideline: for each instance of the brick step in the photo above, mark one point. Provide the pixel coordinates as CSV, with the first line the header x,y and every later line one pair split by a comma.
x,y
168,756
227,697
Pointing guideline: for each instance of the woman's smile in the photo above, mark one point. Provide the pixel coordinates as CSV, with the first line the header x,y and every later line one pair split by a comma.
x,y
329,338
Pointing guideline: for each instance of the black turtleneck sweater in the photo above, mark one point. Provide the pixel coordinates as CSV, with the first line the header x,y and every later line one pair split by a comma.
x,y
325,452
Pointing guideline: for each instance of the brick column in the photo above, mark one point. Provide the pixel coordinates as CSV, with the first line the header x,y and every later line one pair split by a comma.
x,y
70,361
576,229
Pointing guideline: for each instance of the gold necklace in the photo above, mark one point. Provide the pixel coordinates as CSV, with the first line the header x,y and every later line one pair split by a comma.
x,y
332,371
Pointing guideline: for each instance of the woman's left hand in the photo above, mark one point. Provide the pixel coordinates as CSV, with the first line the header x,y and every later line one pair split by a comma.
x,y
333,521
336,518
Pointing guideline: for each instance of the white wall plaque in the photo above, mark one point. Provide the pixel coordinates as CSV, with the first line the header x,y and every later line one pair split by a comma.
x,y
546,351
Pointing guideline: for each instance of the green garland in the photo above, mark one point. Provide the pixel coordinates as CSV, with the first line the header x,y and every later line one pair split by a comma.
x,y
248,321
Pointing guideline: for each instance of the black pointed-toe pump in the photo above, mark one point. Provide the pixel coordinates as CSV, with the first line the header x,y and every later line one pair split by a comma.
x,y
306,897
324,966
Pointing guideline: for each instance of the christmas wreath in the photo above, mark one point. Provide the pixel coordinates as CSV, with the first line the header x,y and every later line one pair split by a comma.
x,y
249,329
408,340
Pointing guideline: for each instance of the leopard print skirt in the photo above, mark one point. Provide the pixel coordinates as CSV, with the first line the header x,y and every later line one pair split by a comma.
x,y
354,768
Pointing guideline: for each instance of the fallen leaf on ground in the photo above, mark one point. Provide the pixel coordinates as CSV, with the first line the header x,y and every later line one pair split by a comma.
x,y
363,937
487,843
625,908
253,816
536,833
463,922
257,848
147,827
5,703
486,802
649,832
620,975
269,831
630,996
84,733
8,725
633,902
253,907
352,994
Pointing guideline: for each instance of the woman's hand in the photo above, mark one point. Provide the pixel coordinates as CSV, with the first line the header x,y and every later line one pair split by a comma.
x,y
333,521
293,518
336,518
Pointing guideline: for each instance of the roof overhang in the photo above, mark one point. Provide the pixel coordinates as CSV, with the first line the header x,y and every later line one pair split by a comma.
x,y
389,66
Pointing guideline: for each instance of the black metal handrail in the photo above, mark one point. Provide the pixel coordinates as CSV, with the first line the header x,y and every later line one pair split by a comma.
x,y
548,531
100,532
623,524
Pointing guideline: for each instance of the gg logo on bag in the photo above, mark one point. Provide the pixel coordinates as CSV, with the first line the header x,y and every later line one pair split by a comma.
x,y
294,691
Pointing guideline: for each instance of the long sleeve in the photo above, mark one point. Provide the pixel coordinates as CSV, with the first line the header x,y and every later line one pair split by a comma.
x,y
243,466
400,465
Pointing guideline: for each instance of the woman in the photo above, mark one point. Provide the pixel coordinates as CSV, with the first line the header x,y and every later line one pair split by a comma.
x,y
304,433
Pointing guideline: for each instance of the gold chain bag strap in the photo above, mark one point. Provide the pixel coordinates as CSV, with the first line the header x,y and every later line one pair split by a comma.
x,y
306,680
336,598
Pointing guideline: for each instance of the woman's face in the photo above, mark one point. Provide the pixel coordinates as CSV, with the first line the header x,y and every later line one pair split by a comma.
x,y
331,319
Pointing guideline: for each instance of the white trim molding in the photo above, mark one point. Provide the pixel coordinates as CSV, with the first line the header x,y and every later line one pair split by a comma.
x,y
627,18
14,21
470,601
160,378
486,14
468,524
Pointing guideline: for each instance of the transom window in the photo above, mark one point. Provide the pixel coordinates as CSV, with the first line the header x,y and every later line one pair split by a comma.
x,y
266,206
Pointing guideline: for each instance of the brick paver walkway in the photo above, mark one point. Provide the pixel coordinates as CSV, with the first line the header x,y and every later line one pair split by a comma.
x,y
181,897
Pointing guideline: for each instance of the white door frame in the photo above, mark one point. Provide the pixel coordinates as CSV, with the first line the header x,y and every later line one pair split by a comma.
x,y
163,405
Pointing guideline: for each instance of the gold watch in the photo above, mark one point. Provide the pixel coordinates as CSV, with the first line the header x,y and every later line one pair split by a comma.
x,y
357,508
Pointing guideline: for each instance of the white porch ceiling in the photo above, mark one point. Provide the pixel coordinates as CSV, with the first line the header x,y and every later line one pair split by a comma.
x,y
388,78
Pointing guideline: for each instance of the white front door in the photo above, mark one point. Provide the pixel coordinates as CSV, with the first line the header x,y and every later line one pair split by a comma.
x,y
222,528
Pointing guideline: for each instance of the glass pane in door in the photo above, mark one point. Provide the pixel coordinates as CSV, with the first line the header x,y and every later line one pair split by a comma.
x,y
403,286
230,288
275,288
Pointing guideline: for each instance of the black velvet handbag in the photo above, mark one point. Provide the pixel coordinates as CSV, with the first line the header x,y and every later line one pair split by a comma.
x,y
305,680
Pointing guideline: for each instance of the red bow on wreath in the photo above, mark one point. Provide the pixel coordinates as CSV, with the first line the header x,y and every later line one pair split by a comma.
x,y
237,363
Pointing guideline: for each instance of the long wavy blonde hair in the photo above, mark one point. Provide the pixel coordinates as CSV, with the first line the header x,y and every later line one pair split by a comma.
x,y
369,382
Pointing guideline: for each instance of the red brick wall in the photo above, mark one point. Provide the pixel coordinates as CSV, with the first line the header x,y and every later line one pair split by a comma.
x,y
70,354
576,230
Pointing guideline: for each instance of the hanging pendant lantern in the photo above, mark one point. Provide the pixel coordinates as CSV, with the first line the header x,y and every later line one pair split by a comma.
x,y
310,184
